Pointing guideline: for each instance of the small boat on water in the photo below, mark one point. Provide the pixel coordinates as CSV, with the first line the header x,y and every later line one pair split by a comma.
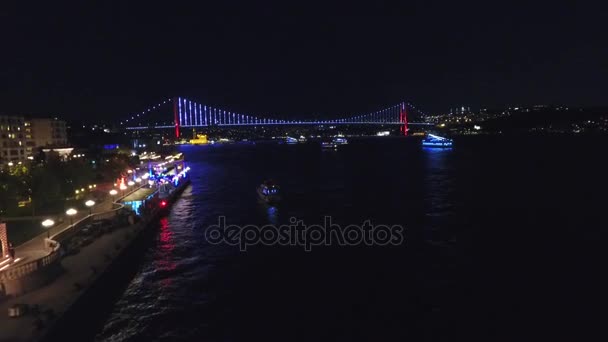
x,y
436,141
334,143
269,192
340,141
329,145
291,140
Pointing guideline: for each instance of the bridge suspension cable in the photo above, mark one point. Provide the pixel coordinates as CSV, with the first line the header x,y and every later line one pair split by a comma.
x,y
187,113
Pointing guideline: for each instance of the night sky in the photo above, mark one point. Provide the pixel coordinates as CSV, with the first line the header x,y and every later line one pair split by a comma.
x,y
107,60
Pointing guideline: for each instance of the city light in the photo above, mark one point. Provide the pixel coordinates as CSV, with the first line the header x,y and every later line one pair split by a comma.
x,y
113,192
131,183
90,204
71,212
48,223
123,187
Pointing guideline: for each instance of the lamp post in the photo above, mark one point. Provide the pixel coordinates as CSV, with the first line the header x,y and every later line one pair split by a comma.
x,y
113,193
130,183
71,212
90,204
48,223
123,188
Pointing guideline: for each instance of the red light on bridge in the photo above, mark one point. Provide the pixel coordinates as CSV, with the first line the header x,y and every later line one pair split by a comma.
x,y
163,203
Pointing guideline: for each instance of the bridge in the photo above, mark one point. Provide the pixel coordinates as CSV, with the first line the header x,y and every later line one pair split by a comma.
x,y
189,114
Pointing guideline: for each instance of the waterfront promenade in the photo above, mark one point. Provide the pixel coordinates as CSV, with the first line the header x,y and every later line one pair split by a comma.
x,y
77,272
35,248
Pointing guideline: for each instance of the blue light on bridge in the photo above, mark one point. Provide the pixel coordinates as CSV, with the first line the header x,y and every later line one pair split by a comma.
x,y
179,101
206,116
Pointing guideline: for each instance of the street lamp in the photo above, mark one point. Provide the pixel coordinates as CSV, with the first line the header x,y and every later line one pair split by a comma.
x,y
90,204
123,187
71,212
130,183
113,193
138,180
48,223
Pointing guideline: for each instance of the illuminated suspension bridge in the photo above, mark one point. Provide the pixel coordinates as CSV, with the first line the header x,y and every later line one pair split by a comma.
x,y
189,114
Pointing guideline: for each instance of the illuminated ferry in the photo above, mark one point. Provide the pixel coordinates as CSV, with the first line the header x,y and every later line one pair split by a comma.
x,y
340,141
291,140
436,141
269,192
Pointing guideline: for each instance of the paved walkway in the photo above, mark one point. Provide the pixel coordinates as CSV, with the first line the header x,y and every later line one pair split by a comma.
x,y
35,249
62,292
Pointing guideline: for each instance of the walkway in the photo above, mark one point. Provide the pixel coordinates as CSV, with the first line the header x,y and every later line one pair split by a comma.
x,y
35,248
62,292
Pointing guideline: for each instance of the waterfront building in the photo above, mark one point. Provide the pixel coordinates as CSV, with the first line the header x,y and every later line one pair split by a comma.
x,y
15,140
48,132
19,137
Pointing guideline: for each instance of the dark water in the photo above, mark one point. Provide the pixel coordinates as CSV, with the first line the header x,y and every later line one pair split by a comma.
x,y
503,241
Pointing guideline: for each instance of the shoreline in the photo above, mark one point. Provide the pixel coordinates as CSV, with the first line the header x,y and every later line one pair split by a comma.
x,y
94,278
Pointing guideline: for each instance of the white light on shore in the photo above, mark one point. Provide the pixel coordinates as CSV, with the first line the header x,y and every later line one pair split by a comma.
x,y
48,223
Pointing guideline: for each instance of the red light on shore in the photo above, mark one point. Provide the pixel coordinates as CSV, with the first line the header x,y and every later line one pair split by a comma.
x,y
163,204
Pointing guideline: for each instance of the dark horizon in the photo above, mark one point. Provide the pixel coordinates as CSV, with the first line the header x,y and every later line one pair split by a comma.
x,y
103,62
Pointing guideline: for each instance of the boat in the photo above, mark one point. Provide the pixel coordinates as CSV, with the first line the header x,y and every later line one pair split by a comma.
x,y
340,141
329,145
291,140
436,141
269,192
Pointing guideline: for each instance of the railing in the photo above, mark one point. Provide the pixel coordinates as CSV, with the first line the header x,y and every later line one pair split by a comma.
x,y
75,228
19,271
107,214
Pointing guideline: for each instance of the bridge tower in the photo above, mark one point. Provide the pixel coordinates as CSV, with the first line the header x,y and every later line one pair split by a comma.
x,y
176,116
403,119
